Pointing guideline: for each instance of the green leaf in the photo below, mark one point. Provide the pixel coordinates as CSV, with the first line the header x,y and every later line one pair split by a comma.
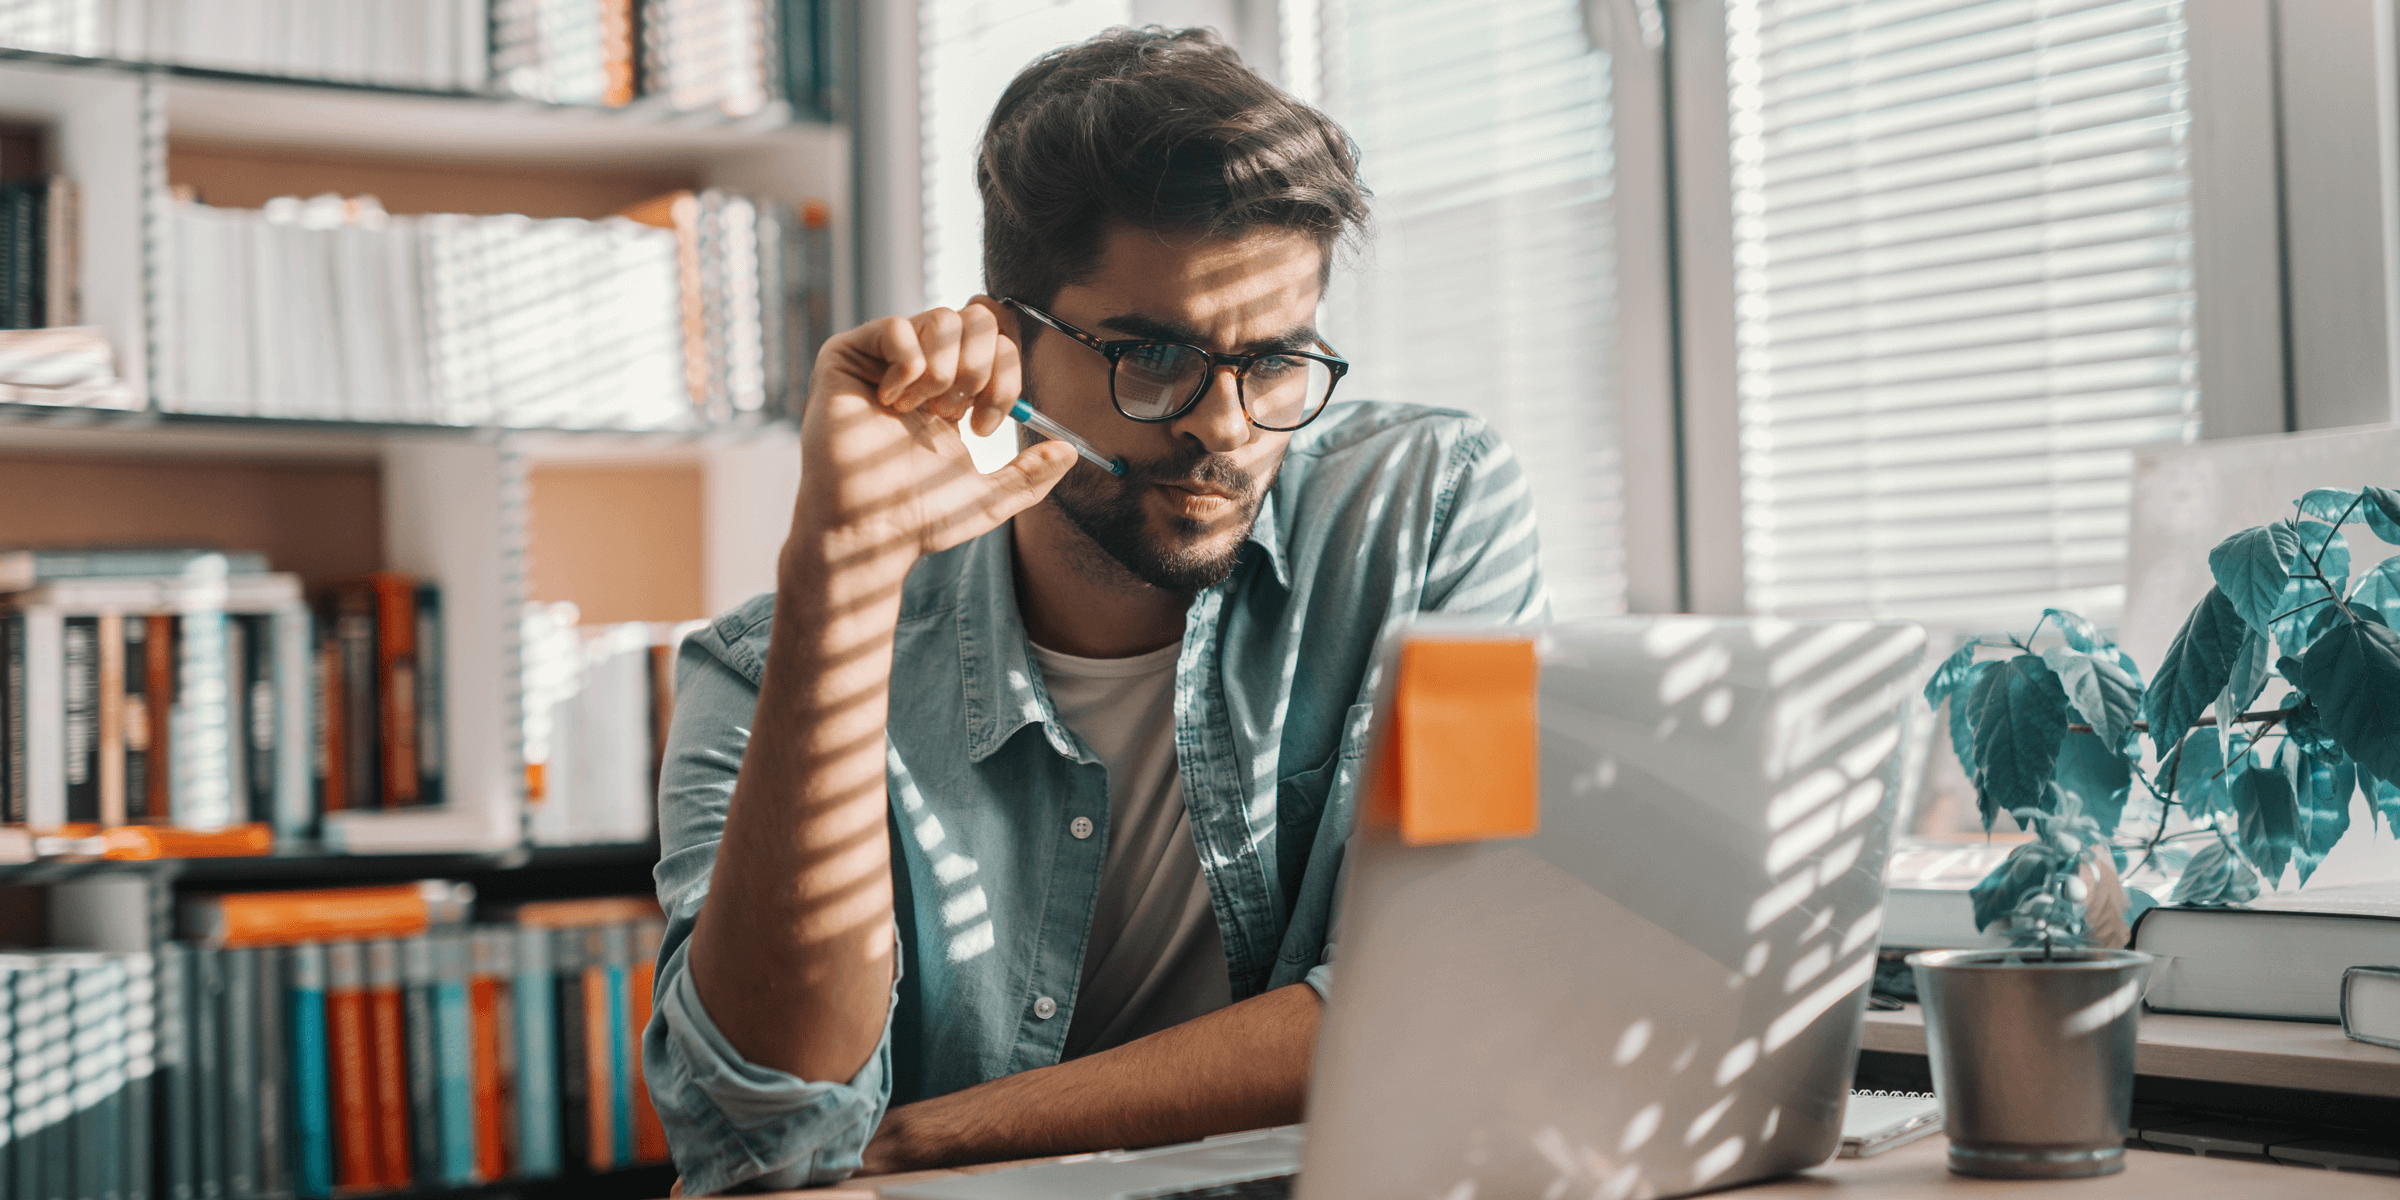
x,y
2332,504
2321,787
2379,589
2267,813
2386,801
2102,694
2020,719
2022,873
1962,717
2300,721
2194,671
2198,772
2327,548
2215,877
2352,675
2091,770
2252,567
2382,511
2248,679
2080,633
1953,671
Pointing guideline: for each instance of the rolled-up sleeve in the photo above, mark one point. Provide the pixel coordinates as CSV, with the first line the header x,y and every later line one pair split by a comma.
x,y
730,1123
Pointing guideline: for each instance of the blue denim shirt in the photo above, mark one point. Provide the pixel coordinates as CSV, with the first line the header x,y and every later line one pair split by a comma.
x,y
1380,511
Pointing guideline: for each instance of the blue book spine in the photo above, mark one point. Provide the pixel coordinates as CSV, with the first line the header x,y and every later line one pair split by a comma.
x,y
457,1090
616,946
312,1085
537,1057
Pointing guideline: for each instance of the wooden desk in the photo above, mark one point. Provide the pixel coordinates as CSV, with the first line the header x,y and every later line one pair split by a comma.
x,y
2284,1054
1920,1169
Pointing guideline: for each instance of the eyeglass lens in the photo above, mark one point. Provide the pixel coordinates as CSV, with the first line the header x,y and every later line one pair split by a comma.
x,y
1280,390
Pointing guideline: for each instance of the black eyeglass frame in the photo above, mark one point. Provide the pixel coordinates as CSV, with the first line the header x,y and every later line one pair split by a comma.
x,y
1115,350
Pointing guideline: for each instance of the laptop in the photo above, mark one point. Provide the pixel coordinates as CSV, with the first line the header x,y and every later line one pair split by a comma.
x,y
1607,925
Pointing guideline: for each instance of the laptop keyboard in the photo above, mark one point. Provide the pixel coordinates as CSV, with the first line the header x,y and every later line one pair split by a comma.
x,y
1273,1187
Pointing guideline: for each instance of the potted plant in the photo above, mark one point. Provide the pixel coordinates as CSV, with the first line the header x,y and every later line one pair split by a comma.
x,y
2032,1047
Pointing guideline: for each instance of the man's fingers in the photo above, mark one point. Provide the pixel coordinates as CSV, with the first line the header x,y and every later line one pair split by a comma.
x,y
902,353
992,403
938,332
978,334
1025,479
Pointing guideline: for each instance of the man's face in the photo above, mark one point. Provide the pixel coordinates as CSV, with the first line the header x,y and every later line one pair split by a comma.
x,y
1192,486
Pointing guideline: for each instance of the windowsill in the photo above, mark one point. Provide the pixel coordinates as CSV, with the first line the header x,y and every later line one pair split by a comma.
x,y
2285,1054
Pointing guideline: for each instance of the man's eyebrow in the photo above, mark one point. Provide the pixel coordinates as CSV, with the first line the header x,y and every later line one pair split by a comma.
x,y
1299,337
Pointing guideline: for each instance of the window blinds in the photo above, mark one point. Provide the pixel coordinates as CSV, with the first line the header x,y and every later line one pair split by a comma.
x,y
1964,293
1484,127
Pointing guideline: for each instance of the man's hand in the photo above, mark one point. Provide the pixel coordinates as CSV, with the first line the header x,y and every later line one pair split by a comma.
x,y
884,471
792,955
1241,1067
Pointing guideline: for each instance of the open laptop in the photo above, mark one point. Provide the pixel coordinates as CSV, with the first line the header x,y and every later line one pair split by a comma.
x,y
1650,982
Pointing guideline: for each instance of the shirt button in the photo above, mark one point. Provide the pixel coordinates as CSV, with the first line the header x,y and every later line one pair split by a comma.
x,y
1081,827
1045,1008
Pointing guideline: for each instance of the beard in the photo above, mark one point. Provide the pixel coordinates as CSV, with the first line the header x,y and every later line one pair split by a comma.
x,y
1186,562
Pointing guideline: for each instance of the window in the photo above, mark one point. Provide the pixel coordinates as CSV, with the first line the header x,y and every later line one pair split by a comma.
x,y
1491,284
1963,293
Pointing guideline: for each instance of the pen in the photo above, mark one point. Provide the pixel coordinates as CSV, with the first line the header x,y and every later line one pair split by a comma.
x,y
1024,412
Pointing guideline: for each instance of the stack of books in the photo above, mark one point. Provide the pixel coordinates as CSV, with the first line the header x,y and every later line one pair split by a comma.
x,y
196,690
738,57
340,1041
597,699
436,45
689,312
72,366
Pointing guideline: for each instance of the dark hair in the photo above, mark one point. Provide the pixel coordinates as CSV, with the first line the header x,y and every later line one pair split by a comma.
x,y
1159,129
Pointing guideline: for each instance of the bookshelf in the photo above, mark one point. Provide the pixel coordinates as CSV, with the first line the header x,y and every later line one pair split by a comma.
x,y
456,504
629,524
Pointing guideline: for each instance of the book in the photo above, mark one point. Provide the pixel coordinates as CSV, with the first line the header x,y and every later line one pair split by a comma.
x,y
22,569
175,1130
257,711
2283,956
569,914
455,1089
487,988
1925,905
388,600
142,1021
320,914
431,750
358,1164
109,650
29,1000
351,618
571,1016
2371,1005
388,1049
312,1085
649,1134
12,721
424,1056
273,1050
158,674
81,676
207,1015
611,1021
534,992
134,727
239,1030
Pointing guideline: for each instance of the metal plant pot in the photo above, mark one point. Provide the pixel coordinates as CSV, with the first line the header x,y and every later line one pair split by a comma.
x,y
2033,1059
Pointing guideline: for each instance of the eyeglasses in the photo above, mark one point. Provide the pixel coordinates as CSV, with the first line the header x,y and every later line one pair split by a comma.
x,y
1156,382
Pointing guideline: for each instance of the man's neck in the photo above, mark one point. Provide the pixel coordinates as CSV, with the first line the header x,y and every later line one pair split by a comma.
x,y
1077,600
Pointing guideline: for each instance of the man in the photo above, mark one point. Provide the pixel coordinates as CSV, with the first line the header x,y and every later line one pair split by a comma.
x,y
1009,824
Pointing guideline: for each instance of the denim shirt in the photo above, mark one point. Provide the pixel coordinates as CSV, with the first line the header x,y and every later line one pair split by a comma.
x,y
1379,511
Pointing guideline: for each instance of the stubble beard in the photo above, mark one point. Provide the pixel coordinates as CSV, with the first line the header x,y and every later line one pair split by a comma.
x,y
1108,511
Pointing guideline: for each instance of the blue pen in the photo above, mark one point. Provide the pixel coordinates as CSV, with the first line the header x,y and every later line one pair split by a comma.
x,y
1024,412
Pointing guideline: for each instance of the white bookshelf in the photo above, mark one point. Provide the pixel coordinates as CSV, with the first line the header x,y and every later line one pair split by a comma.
x,y
453,499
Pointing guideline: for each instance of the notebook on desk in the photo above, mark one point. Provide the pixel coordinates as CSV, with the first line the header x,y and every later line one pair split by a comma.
x,y
1608,921
1880,1121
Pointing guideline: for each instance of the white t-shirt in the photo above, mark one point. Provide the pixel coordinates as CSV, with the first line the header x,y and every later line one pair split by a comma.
x,y
1155,958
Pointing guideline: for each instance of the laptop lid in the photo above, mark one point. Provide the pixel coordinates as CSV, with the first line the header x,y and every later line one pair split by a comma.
x,y
1658,990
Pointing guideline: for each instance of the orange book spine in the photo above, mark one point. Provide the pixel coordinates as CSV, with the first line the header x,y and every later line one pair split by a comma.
x,y
278,919
599,1082
618,51
158,647
356,1161
390,1068
649,1136
491,1129
396,683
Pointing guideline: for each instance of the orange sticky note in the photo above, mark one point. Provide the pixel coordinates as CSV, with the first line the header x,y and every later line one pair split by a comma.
x,y
1458,760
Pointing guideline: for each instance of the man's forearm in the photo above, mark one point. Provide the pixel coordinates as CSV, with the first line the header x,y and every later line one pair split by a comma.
x,y
792,954
1241,1067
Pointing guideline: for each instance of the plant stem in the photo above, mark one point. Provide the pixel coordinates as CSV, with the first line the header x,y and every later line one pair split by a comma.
x,y
2267,715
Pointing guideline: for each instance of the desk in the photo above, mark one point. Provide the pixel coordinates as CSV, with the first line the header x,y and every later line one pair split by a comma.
x,y
1920,1169
2285,1054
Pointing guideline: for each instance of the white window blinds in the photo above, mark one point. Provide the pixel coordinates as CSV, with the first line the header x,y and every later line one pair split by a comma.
x,y
1964,292
1485,132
